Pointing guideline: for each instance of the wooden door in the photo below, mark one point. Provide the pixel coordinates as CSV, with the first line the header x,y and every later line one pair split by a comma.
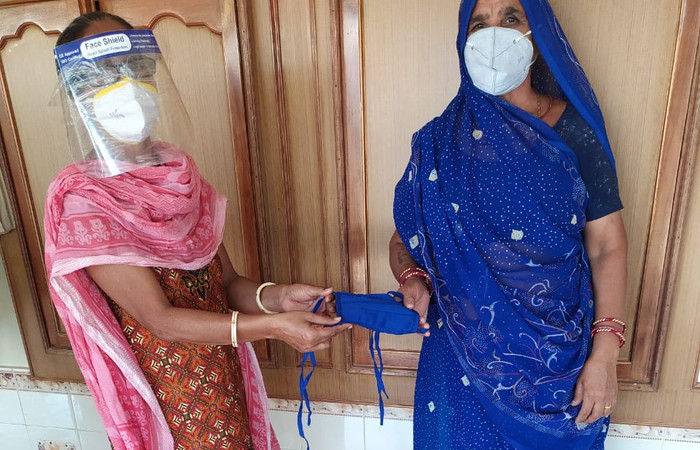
x,y
34,148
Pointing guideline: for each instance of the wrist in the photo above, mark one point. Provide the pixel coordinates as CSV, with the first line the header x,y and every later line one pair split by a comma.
x,y
267,298
413,273
605,346
418,281
254,327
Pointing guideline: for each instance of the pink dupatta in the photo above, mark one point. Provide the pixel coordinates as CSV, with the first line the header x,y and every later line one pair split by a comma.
x,y
166,216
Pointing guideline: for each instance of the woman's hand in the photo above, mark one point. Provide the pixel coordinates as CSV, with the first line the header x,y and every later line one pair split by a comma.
x,y
416,297
596,388
296,297
305,331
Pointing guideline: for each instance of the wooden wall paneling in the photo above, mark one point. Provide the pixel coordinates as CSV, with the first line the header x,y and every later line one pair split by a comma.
x,y
297,77
31,133
267,354
686,213
354,168
666,222
49,15
299,204
208,13
272,140
408,76
676,402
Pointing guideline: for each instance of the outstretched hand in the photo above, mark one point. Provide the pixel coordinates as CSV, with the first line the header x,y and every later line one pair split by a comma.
x,y
306,331
303,297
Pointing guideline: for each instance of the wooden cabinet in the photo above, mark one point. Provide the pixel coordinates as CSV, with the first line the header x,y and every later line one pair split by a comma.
x,y
304,111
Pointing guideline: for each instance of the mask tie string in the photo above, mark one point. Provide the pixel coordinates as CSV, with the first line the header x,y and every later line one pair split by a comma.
x,y
303,384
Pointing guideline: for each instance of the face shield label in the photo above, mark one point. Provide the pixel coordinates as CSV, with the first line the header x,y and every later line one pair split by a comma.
x,y
103,46
106,45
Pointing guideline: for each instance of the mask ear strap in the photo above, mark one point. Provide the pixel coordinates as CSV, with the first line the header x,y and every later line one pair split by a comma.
x,y
303,383
374,342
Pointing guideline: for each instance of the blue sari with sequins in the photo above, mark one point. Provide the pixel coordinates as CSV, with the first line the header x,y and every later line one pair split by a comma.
x,y
492,205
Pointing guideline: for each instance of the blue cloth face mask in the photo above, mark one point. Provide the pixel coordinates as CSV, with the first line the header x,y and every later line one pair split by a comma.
x,y
379,313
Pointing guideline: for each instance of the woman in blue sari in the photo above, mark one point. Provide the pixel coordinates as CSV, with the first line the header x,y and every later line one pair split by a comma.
x,y
510,243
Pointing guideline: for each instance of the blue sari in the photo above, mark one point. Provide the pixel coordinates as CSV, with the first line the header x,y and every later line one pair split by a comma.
x,y
492,205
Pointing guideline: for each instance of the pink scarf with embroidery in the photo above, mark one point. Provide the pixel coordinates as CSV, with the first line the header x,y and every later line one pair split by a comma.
x,y
166,216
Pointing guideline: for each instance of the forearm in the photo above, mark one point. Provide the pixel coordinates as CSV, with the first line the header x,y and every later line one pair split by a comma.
x,y
399,257
240,291
204,327
607,250
609,272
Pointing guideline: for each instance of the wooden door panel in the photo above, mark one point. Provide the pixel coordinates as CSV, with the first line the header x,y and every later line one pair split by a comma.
x,y
34,148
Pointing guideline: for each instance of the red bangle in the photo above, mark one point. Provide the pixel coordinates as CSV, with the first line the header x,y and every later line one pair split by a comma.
x,y
416,272
611,320
615,331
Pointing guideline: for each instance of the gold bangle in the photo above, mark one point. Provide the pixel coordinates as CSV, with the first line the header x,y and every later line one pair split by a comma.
x,y
259,302
234,328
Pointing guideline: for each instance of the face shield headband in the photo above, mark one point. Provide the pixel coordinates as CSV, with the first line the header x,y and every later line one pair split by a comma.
x,y
116,90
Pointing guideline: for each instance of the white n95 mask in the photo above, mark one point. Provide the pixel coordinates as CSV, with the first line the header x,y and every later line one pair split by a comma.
x,y
127,110
498,59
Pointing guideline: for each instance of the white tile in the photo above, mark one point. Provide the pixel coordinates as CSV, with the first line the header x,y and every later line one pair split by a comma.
x,y
674,445
93,440
86,416
15,437
60,436
624,443
44,409
393,435
285,425
335,432
10,408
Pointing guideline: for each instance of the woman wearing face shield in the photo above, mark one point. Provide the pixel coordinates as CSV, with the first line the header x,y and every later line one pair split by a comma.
x,y
159,320
509,211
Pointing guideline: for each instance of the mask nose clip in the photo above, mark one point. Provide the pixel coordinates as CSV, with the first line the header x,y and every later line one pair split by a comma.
x,y
516,40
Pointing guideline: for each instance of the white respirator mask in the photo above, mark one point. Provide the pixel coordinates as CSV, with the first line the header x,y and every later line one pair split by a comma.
x,y
498,59
127,110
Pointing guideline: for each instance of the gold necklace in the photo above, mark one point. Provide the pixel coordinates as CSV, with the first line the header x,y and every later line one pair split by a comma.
x,y
549,106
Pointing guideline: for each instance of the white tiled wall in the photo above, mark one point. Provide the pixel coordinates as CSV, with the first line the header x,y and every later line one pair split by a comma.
x,y
62,413
69,421
353,427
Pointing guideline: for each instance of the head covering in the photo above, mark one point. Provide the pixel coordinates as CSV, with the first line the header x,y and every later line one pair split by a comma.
x,y
166,216
492,205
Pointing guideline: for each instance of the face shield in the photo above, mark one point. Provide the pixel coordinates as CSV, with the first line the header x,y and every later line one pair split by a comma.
x,y
120,102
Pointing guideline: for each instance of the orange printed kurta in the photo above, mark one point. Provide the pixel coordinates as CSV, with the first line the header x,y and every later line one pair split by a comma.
x,y
199,387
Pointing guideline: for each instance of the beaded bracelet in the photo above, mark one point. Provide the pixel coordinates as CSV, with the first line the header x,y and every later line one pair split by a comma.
x,y
416,272
259,302
615,331
611,320
234,328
